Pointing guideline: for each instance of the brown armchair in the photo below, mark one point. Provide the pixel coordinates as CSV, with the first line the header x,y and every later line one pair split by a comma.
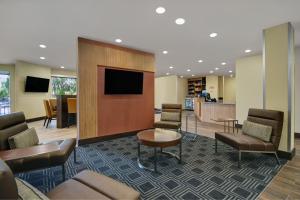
x,y
170,117
246,143
32,158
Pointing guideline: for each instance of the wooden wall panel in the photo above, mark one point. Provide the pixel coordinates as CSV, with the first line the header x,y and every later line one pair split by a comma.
x,y
90,55
125,113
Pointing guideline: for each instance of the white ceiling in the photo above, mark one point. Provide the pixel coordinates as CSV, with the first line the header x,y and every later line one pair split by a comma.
x,y
57,23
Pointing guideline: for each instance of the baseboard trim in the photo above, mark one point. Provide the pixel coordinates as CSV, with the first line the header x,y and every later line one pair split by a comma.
x,y
297,135
35,119
107,137
287,155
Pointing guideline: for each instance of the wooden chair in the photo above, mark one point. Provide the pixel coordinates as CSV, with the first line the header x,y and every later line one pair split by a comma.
x,y
50,114
72,109
53,104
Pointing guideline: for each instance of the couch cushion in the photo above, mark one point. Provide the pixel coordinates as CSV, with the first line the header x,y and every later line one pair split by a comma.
x,y
104,185
8,186
244,142
259,131
167,125
72,189
170,116
24,139
27,191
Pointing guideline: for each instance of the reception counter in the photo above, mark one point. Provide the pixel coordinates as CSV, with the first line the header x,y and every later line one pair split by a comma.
x,y
206,111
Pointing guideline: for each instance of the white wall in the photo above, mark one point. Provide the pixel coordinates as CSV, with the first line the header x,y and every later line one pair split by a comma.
x,y
29,102
297,91
249,85
229,89
212,86
170,89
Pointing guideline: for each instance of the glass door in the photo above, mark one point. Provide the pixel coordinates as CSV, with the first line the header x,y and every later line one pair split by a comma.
x,y
4,93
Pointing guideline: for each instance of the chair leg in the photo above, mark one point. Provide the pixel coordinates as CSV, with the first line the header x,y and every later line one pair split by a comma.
x,y
45,121
240,158
216,146
63,172
74,152
277,159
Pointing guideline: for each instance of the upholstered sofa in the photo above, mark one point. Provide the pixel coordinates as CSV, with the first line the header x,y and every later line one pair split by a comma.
x,y
14,123
85,185
246,143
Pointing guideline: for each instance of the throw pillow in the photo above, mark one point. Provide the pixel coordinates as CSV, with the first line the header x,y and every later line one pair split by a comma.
x,y
256,130
24,139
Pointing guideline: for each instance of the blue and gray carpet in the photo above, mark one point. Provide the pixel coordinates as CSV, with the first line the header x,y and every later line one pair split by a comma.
x,y
202,174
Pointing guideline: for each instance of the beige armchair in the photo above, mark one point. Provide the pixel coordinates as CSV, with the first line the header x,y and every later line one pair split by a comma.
x,y
170,117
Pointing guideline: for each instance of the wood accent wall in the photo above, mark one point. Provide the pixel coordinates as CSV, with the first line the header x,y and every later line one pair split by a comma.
x,y
90,55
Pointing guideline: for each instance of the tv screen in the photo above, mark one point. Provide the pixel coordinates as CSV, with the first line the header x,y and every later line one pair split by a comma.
x,y
35,84
123,82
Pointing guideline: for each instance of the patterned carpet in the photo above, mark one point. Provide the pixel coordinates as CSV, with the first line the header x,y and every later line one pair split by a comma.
x,y
202,175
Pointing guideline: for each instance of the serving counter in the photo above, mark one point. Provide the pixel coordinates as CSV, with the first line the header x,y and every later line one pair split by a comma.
x,y
206,111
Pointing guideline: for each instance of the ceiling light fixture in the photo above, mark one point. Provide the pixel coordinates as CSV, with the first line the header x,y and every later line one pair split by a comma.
x,y
223,63
200,61
212,35
217,68
160,10
167,73
43,46
62,67
180,21
165,52
211,71
193,75
248,50
118,40
230,71
42,58
188,70
181,76
171,67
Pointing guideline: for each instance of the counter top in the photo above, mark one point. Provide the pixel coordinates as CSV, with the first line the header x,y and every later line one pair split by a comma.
x,y
218,103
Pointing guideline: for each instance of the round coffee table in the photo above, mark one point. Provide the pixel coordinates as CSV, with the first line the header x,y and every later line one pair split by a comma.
x,y
158,138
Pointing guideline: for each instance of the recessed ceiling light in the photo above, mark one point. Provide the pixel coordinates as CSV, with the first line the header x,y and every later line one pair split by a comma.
x,y
160,10
180,21
223,63
193,75
211,71
200,61
217,68
118,40
167,73
42,58
165,52
248,50
171,67
43,46
212,35
62,67
230,71
188,70
181,76
231,75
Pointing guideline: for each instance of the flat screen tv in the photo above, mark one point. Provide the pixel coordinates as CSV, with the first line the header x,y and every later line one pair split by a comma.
x,y
35,84
123,82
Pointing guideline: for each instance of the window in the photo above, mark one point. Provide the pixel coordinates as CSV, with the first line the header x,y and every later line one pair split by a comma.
x,y
64,85
4,93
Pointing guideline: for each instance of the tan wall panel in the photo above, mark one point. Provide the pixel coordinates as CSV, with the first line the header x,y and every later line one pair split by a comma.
x,y
90,55
229,90
212,85
249,85
276,76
